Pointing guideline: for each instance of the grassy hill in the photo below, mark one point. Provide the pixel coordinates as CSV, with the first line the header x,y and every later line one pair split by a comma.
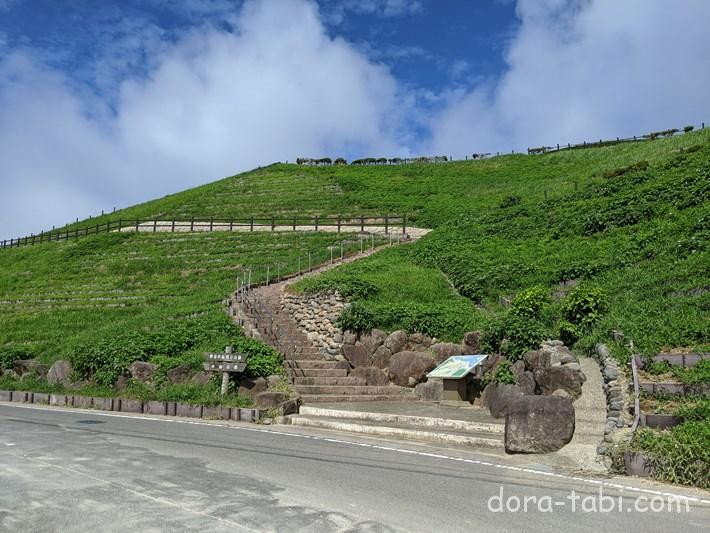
x,y
629,219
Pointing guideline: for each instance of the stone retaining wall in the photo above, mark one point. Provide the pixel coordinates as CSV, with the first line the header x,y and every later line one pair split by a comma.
x,y
619,400
316,315
127,405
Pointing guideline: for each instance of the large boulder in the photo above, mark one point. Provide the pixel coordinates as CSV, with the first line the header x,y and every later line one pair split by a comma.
x,y
60,373
372,376
408,367
418,342
30,366
538,424
472,342
179,374
142,371
251,387
267,399
443,350
357,355
550,379
381,358
201,378
396,341
498,397
432,390
373,340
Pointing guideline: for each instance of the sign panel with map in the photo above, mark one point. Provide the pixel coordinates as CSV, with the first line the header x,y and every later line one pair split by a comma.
x,y
457,366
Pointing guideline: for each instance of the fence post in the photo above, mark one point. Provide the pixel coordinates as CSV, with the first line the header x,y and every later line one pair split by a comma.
x,y
120,222
309,261
386,224
294,223
362,224
316,222
231,225
273,222
172,227
267,275
211,224
192,224
252,224
137,220
404,225
155,225
339,222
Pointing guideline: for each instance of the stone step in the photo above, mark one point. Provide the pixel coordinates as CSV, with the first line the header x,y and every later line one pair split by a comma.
x,y
354,390
333,398
320,381
477,439
318,372
308,363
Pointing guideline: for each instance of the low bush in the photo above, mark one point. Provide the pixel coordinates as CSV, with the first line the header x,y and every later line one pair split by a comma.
x,y
585,305
530,303
678,455
512,336
356,318
504,374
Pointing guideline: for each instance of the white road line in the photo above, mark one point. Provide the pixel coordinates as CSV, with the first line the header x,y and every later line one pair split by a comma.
x,y
477,462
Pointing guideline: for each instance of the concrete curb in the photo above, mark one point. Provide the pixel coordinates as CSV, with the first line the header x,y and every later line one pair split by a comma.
x,y
127,405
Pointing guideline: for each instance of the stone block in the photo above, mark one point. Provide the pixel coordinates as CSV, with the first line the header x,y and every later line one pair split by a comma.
x,y
5,395
19,396
41,398
539,424
83,402
188,410
103,404
58,399
155,408
131,406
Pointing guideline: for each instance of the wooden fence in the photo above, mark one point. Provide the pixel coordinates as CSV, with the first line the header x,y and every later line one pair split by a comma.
x,y
389,223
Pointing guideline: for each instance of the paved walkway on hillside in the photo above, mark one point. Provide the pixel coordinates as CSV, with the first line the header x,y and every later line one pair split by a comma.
x,y
590,419
165,226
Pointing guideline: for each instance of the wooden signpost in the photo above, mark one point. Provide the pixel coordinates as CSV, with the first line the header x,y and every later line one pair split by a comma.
x,y
227,362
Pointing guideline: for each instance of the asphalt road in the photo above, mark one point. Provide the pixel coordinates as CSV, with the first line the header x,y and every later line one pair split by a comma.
x,y
67,471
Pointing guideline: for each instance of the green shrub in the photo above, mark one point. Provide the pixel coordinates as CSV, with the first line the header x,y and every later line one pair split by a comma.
x,y
504,374
509,201
584,305
357,318
569,333
695,410
512,336
9,354
688,128
262,360
530,302
679,455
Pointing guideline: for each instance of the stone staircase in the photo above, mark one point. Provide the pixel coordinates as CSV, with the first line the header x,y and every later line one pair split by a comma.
x,y
260,313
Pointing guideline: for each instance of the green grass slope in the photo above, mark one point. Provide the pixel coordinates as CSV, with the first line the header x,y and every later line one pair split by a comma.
x,y
110,299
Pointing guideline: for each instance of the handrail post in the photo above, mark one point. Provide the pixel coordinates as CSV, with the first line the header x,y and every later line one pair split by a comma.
x,y
362,224
386,224
211,224
172,227
294,223
155,225
404,225
192,225
252,224
316,222
339,222
273,222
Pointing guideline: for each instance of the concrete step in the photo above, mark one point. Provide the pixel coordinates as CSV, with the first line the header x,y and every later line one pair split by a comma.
x,y
441,435
361,390
475,421
344,380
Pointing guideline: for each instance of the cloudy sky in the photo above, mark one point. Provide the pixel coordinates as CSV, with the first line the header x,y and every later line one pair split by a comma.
x,y
107,104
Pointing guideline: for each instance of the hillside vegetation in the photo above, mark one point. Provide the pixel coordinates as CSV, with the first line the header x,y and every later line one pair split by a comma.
x,y
627,224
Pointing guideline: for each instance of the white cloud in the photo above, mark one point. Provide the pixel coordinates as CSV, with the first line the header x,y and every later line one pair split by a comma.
x,y
216,103
586,69
337,11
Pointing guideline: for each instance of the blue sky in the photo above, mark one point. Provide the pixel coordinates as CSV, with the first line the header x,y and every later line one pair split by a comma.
x,y
107,104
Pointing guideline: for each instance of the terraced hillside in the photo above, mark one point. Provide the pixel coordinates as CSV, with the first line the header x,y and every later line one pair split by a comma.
x,y
630,220
119,297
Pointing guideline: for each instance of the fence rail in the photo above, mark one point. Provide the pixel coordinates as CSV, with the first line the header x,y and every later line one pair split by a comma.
x,y
390,224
